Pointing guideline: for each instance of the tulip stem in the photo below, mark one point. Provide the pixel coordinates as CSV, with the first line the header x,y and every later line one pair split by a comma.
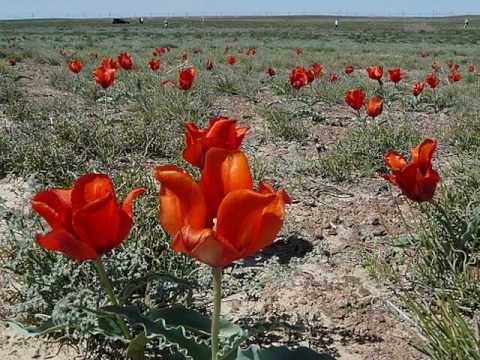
x,y
107,286
217,302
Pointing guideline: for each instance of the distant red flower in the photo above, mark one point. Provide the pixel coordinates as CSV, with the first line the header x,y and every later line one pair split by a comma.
x,y
231,59
185,77
209,65
168,83
355,98
271,71
375,72
184,56
154,64
160,51
109,63
374,106
125,61
417,179
12,62
75,66
104,76
418,88
298,51
317,70
299,77
435,66
432,80
221,132
251,52
333,77
472,68
86,220
454,76
395,75
453,66
348,69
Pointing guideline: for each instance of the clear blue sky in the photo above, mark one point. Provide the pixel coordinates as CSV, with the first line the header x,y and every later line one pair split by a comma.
x,y
103,8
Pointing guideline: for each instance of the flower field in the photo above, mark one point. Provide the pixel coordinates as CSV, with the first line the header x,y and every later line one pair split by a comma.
x,y
240,188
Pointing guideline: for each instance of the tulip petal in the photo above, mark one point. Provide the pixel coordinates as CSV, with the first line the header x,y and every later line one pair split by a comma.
x,y
89,188
127,205
422,154
181,200
201,244
55,207
98,222
394,161
224,171
240,218
64,242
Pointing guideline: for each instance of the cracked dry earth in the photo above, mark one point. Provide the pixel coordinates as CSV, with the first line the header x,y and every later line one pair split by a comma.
x,y
308,288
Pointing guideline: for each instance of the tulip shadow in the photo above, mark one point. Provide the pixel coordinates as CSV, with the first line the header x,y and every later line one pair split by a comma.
x,y
284,248
281,331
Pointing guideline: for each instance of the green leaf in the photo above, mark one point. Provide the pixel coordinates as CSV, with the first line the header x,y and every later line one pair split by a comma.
x,y
276,353
191,346
42,329
109,327
136,348
192,320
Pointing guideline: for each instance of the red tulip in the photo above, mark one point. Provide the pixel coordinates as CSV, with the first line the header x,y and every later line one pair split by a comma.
x,y
375,72
316,69
75,66
125,61
271,72
348,69
160,51
109,63
432,80
355,98
299,77
472,68
418,88
417,179
333,77
231,59
221,218
185,77
86,220
168,83
104,76
454,76
184,56
453,66
220,133
298,51
374,106
395,75
154,64
209,65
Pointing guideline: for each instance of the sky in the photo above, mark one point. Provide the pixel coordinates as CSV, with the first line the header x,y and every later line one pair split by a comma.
x,y
124,8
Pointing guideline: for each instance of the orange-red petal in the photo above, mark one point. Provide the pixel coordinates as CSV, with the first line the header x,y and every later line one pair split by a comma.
x,y
64,242
422,154
394,161
201,244
224,171
181,200
55,207
89,188
240,217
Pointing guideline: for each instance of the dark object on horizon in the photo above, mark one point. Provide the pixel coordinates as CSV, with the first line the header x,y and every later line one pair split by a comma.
x,y
141,20
120,21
